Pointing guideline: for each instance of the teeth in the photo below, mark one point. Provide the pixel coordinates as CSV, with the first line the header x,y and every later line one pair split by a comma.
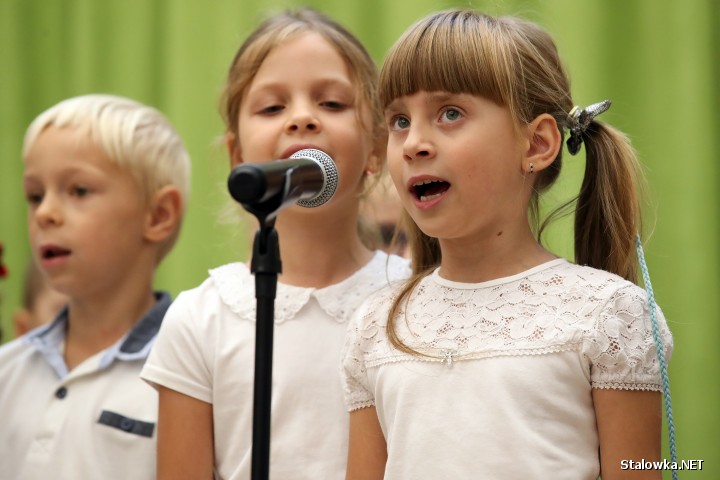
x,y
425,198
425,182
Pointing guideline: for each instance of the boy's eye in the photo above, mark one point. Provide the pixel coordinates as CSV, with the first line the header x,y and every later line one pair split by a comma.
x,y
79,191
451,114
33,198
399,123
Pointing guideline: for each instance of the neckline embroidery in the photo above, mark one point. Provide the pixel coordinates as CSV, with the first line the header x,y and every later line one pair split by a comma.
x,y
235,284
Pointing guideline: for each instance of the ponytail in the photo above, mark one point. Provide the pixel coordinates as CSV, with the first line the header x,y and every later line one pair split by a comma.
x,y
607,215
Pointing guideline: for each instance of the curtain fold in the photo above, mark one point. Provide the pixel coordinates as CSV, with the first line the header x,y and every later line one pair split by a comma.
x,y
658,63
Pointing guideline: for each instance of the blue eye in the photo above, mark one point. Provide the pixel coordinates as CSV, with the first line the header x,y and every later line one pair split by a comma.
x,y
451,114
399,123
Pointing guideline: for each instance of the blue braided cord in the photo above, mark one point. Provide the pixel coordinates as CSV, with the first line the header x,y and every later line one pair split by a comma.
x,y
660,353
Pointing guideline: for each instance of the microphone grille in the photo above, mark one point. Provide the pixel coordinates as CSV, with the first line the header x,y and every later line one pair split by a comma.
x,y
330,176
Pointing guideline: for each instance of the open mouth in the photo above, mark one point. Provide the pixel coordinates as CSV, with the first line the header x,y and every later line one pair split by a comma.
x,y
51,252
296,148
426,190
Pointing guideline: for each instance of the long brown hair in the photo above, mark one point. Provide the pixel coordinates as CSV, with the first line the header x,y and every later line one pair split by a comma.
x,y
516,64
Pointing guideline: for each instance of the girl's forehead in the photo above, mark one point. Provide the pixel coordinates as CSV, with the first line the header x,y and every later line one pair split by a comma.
x,y
307,47
302,59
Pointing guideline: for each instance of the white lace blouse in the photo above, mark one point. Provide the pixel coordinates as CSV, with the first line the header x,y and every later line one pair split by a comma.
x,y
206,349
503,389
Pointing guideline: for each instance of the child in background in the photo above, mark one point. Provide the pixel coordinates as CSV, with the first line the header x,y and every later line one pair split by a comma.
x,y
40,303
3,275
498,359
299,81
106,181
383,211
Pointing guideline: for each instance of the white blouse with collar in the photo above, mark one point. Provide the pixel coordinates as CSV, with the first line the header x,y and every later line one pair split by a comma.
x,y
206,350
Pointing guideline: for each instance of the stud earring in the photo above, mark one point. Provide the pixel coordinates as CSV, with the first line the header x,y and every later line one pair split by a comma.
x,y
532,168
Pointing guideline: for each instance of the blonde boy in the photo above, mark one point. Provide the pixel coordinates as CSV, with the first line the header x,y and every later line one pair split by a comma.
x,y
106,181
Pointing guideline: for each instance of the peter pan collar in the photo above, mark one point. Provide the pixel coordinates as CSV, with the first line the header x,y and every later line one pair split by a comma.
x,y
236,286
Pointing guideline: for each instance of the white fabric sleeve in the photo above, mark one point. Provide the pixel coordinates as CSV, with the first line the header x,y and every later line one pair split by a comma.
x,y
621,349
178,359
356,389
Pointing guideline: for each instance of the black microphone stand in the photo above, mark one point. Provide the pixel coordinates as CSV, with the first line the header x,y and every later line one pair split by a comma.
x,y
249,186
265,265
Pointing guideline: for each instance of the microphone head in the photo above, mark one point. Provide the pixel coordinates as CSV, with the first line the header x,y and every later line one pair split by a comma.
x,y
330,176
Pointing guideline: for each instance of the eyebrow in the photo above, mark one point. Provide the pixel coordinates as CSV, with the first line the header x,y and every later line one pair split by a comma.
x,y
434,97
69,171
320,83
392,107
441,97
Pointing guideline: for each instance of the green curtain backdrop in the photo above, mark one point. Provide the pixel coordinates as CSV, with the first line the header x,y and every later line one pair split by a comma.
x,y
658,61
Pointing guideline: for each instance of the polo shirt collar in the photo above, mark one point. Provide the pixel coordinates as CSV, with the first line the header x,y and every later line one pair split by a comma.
x,y
49,339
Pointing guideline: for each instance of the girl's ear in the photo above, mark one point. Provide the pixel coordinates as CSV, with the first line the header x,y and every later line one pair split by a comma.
x,y
544,143
372,165
374,162
233,149
164,214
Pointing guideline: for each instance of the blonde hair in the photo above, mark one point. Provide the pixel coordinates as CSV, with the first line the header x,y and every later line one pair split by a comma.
x,y
283,27
136,137
516,64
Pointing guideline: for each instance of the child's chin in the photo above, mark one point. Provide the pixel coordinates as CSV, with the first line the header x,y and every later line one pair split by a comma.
x,y
429,230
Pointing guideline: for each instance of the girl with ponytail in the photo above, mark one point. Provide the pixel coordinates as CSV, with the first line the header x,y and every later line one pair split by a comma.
x,y
499,359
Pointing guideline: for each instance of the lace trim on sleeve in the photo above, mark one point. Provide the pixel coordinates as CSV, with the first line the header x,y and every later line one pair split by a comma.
x,y
358,406
647,387
356,385
621,348
353,371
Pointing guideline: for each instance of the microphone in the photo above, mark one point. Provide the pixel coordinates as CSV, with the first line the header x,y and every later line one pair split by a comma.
x,y
309,178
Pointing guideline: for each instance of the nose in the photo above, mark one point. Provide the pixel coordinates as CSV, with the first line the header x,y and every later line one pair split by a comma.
x,y
303,119
418,145
48,212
